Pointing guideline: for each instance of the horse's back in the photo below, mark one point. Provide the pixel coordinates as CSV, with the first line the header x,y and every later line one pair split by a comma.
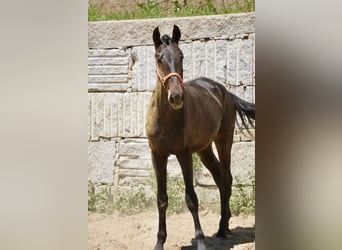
x,y
204,104
207,93
203,82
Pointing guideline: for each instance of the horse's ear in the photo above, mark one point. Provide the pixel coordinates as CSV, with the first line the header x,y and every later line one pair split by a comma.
x,y
156,38
176,34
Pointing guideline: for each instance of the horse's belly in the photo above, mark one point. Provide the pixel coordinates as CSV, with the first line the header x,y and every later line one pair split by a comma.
x,y
203,142
200,147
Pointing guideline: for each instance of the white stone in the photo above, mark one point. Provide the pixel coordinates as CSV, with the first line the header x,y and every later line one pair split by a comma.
x,y
101,161
243,161
107,61
210,61
221,61
106,70
107,53
198,59
107,78
117,34
108,87
242,164
115,115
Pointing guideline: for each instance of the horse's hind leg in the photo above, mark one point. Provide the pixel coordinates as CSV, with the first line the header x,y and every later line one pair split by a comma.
x,y
185,160
159,163
210,161
223,146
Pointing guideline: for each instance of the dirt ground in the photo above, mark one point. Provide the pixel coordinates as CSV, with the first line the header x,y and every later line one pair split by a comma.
x,y
138,231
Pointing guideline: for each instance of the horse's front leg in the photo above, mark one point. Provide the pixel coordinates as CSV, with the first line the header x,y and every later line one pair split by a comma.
x,y
185,160
159,164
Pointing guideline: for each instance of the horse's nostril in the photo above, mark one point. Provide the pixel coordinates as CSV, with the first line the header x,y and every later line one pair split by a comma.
x,y
172,100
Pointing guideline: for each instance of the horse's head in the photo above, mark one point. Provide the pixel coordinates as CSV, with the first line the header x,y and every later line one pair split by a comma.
x,y
169,65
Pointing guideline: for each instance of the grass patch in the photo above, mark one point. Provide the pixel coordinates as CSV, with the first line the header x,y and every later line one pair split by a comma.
x,y
132,202
152,9
242,200
99,201
175,193
128,202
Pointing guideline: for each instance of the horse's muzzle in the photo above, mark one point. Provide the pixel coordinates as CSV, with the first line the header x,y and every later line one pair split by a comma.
x,y
176,100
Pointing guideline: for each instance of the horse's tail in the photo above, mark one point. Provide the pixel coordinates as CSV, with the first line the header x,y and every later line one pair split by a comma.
x,y
246,111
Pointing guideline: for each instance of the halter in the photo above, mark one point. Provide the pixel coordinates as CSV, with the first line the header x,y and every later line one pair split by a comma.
x,y
165,78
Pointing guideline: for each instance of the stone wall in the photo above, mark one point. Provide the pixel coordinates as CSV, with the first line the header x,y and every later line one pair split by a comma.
x,y
121,77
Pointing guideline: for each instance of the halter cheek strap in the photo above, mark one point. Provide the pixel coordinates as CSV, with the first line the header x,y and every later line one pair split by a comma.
x,y
165,78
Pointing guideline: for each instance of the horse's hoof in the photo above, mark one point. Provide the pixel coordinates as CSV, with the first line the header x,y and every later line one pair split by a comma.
x,y
201,246
222,236
159,247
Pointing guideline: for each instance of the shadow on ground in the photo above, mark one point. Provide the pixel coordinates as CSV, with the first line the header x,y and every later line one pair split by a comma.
x,y
239,235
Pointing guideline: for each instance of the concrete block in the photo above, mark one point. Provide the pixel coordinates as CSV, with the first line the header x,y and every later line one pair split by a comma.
x,y
133,173
134,155
101,161
210,61
134,160
140,62
108,78
242,164
250,94
207,195
204,177
107,61
240,91
245,62
107,53
143,75
138,152
115,115
243,160
108,87
221,61
232,58
134,147
118,34
198,59
107,70
187,61
173,167
151,76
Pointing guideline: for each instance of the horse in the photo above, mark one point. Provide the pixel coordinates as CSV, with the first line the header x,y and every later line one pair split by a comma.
x,y
185,118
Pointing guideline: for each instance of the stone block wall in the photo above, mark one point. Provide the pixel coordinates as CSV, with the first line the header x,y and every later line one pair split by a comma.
x,y
121,78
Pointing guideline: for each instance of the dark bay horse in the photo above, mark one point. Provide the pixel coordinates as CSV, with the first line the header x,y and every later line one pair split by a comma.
x,y
186,118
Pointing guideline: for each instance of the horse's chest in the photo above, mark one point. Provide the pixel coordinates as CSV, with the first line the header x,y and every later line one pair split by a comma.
x,y
163,138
